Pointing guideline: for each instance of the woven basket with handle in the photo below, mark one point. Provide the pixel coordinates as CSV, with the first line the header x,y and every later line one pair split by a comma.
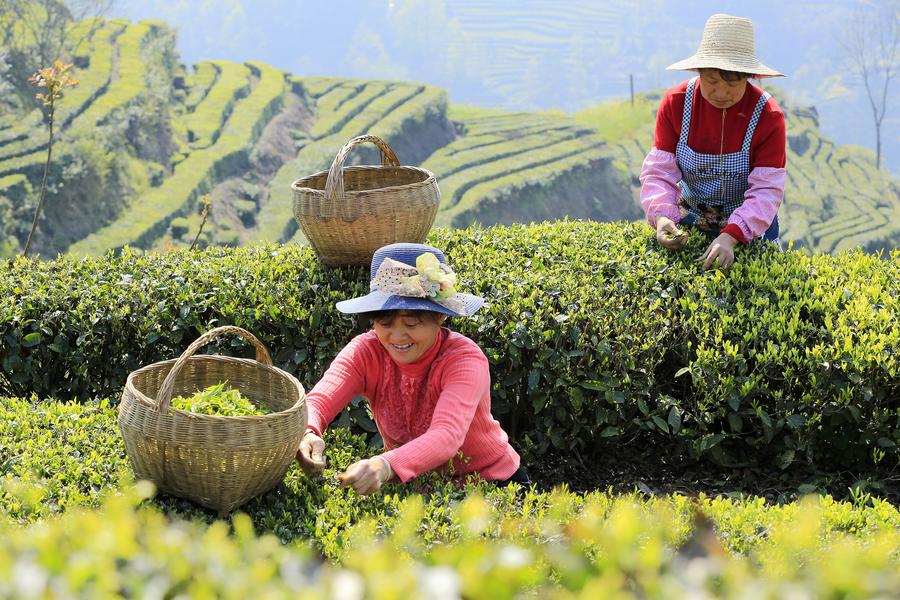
x,y
348,213
219,462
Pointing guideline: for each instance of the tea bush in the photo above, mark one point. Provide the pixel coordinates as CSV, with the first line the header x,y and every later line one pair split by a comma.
x,y
65,473
594,334
596,548
60,456
55,456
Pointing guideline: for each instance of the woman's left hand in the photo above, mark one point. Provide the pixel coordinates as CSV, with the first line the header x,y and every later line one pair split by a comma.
x,y
721,248
366,476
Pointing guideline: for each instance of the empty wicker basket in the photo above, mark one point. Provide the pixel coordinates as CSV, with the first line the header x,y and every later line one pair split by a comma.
x,y
218,462
348,213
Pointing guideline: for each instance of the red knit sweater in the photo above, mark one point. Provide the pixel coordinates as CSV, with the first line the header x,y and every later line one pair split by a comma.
x,y
710,134
428,412
767,147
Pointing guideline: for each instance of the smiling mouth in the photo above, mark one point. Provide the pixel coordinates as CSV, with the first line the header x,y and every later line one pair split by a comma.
x,y
402,348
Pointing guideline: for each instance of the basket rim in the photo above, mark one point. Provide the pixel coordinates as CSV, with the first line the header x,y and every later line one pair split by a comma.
x,y
297,184
151,403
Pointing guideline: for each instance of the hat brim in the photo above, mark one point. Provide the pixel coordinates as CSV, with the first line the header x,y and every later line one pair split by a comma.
x,y
377,300
696,61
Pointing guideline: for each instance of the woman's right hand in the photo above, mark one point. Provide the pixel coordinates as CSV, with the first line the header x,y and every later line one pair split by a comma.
x,y
668,235
311,453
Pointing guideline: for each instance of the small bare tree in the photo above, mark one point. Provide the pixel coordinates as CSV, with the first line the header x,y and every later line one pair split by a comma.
x,y
872,43
55,79
207,204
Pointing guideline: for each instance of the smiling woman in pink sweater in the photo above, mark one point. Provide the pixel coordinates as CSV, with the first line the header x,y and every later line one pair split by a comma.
x,y
428,387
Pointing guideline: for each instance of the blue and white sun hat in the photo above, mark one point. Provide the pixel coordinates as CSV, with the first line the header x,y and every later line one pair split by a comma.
x,y
407,276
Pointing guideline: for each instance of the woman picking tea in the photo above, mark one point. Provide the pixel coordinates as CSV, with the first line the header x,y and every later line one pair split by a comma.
x,y
718,157
428,387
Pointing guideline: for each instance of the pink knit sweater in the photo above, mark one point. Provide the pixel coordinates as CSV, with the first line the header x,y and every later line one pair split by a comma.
x,y
428,412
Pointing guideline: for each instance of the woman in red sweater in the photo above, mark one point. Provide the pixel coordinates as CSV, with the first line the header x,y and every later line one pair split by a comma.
x,y
718,155
428,387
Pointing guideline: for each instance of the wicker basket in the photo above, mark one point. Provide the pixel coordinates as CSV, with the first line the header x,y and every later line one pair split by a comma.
x,y
348,213
216,461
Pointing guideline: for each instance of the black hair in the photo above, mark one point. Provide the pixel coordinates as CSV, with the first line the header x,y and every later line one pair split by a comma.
x,y
731,76
388,315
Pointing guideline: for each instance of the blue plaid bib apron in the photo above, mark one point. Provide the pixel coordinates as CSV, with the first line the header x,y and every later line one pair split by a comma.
x,y
713,185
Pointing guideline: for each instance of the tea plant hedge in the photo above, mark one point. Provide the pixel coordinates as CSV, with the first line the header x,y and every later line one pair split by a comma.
x,y
204,123
199,83
595,336
620,548
66,474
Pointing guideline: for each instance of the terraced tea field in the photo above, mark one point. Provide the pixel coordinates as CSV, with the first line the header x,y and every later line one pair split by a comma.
x,y
345,110
524,36
23,144
242,133
145,221
502,157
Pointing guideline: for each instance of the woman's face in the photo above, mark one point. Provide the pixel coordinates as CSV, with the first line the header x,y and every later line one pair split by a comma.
x,y
718,92
407,335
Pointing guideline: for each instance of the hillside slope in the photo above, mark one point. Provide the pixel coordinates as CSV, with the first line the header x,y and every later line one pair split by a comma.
x,y
520,167
143,140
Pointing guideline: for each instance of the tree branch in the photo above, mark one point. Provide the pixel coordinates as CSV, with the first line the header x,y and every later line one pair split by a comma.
x,y
875,62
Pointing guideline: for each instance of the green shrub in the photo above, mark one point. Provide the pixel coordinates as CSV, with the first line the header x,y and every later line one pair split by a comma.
x,y
795,356
567,547
594,335
70,454
64,459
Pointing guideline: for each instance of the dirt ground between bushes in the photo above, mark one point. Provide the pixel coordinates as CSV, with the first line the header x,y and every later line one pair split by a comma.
x,y
623,472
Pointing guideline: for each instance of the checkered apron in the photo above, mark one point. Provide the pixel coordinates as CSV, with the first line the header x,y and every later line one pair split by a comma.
x,y
713,185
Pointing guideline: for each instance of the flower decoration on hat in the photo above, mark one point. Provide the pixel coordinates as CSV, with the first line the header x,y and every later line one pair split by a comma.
x,y
430,279
437,280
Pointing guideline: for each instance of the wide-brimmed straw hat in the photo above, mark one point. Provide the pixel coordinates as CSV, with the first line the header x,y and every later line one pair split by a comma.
x,y
727,44
407,276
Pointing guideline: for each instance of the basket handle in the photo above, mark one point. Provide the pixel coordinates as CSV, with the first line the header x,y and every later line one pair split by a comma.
x,y
164,396
334,185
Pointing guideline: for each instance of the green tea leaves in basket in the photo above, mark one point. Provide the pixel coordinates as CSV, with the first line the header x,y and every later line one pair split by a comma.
x,y
219,400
